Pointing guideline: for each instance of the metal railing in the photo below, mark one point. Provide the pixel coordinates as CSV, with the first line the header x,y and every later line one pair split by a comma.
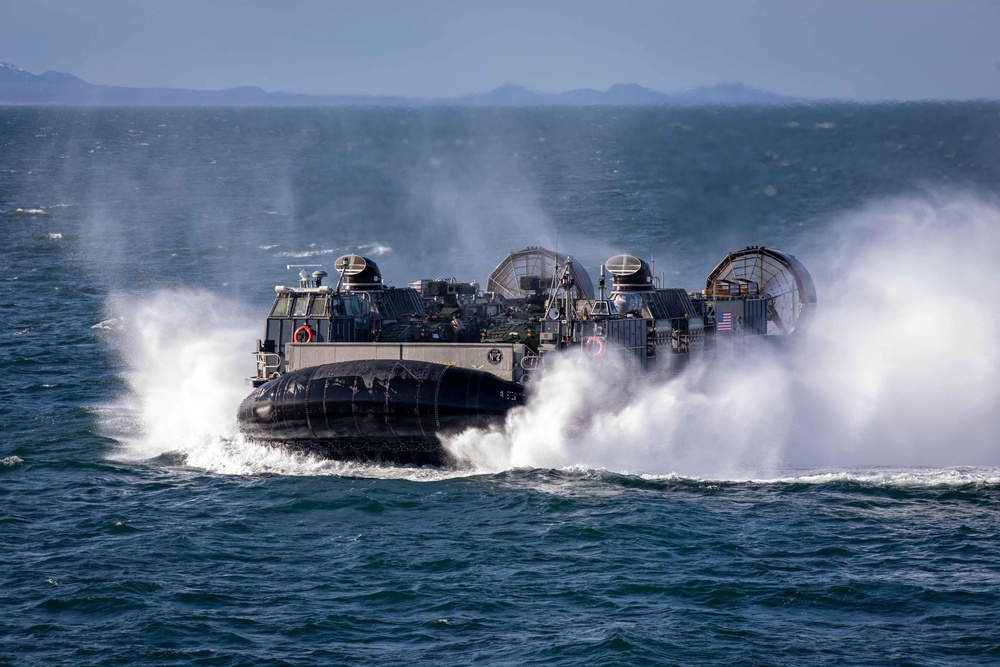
x,y
268,363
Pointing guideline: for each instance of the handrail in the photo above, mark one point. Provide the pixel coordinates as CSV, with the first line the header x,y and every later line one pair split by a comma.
x,y
265,369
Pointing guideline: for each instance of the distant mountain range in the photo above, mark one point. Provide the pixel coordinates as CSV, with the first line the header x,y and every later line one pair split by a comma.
x,y
20,87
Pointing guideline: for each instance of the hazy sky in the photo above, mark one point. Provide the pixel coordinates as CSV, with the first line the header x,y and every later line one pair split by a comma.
x,y
874,49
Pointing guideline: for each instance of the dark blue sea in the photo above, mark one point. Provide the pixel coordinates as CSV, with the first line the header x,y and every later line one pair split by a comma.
x,y
837,504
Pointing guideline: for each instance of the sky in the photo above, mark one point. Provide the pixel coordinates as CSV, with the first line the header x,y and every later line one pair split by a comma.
x,y
860,50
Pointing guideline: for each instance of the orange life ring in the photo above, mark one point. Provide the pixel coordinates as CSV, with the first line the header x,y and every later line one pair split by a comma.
x,y
304,329
594,346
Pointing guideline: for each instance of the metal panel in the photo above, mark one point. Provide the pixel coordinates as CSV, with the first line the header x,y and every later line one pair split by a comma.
x,y
666,304
501,360
304,355
628,335
397,302
735,307
342,329
755,316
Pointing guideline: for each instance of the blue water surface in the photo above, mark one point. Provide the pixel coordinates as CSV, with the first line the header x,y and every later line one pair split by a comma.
x,y
138,251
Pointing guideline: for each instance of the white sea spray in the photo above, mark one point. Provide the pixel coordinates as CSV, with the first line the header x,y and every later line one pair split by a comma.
x,y
901,367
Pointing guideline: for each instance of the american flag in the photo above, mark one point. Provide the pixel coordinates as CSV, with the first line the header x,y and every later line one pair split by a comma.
x,y
724,322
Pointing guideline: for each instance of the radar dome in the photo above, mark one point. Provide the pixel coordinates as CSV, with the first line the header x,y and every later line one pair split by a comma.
x,y
631,274
358,273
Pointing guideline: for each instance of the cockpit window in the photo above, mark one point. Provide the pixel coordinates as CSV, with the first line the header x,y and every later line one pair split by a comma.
x,y
281,308
318,308
301,306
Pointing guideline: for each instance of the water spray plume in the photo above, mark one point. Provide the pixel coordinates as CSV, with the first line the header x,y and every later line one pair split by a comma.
x,y
602,415
901,368
186,357
905,355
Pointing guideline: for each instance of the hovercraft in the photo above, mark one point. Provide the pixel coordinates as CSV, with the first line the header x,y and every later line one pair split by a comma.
x,y
363,371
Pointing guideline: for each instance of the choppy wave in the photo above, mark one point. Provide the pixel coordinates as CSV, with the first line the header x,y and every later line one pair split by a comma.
x,y
918,481
111,324
307,253
376,249
314,250
236,456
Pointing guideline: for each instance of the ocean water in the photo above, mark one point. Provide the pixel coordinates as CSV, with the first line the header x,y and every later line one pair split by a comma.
x,y
838,504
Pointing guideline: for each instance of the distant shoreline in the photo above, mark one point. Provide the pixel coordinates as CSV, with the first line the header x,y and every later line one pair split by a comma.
x,y
19,87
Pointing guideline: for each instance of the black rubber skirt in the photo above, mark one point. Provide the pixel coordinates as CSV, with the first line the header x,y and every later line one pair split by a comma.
x,y
376,410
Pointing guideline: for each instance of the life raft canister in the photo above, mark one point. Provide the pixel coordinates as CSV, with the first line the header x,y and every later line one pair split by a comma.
x,y
594,346
303,334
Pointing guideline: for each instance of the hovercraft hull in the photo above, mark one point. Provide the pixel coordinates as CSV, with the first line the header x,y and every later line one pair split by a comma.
x,y
391,411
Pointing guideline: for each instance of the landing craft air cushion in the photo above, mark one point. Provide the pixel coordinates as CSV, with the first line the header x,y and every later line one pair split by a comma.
x,y
363,371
